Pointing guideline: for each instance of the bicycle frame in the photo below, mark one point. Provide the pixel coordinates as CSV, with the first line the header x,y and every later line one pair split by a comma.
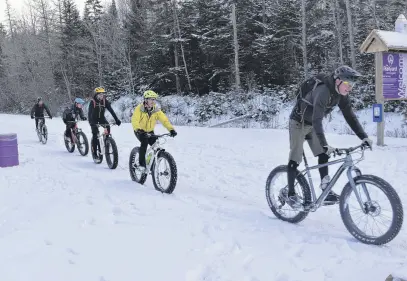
x,y
155,148
41,122
74,130
348,166
102,135
40,125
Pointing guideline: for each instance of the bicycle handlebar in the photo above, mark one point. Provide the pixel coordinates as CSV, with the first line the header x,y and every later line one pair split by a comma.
x,y
156,136
105,125
340,151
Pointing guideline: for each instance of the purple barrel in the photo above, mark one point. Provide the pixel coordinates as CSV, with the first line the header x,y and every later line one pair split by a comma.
x,y
8,150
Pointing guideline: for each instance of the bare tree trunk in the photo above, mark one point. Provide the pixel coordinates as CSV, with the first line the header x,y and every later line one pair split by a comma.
x,y
351,39
60,15
130,71
95,33
42,6
9,19
236,46
177,83
264,16
98,45
182,48
338,29
67,83
33,20
376,21
44,15
304,38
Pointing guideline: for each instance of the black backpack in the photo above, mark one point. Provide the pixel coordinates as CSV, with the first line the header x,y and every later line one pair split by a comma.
x,y
67,114
307,87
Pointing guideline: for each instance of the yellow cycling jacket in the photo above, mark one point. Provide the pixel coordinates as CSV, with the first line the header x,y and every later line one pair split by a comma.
x,y
143,120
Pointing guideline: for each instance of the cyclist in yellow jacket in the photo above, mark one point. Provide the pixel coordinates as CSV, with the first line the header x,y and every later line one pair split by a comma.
x,y
143,121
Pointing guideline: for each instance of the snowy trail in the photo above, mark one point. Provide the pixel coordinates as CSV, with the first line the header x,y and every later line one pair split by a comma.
x,y
62,217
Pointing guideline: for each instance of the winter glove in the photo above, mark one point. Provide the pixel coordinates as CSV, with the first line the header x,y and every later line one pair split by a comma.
x,y
84,119
173,133
329,150
32,117
368,142
118,122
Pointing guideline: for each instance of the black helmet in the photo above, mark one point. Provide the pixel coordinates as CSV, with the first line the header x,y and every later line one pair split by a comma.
x,y
346,73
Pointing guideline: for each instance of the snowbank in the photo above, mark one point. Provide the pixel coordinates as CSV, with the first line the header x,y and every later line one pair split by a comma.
x,y
273,112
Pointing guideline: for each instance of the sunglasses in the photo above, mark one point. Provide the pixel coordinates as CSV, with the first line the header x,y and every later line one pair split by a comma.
x,y
349,83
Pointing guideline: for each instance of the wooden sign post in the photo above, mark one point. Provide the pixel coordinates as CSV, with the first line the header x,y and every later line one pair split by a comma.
x,y
390,49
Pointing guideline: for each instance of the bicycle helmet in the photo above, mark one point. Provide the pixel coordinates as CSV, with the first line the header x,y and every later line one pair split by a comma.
x,y
100,90
79,100
346,73
149,94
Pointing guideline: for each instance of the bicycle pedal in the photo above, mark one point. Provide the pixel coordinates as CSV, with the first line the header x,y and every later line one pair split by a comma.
x,y
329,203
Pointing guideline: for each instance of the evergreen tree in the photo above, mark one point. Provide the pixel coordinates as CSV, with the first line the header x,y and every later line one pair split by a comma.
x,y
161,71
92,11
281,51
113,10
3,34
321,36
72,70
207,30
136,38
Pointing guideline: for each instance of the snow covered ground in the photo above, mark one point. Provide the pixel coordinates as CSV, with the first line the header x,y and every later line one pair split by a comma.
x,y
62,217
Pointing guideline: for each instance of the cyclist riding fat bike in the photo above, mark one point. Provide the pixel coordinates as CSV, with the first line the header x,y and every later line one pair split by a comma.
x,y
96,115
305,123
70,114
38,111
144,120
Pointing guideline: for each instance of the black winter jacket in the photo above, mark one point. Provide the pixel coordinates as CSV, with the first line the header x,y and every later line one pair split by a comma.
x,y
38,111
323,99
70,114
97,108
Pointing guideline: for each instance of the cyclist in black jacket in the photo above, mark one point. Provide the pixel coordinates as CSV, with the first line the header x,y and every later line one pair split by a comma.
x,y
96,115
38,111
306,124
71,114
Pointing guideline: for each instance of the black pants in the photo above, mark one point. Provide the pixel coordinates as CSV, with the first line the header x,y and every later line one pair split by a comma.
x,y
68,128
95,131
144,142
38,119
292,167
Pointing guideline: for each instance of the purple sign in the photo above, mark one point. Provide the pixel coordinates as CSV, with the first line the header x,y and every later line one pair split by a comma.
x,y
394,75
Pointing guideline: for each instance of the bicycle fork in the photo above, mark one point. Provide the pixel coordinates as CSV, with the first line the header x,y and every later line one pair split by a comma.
x,y
101,145
353,185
